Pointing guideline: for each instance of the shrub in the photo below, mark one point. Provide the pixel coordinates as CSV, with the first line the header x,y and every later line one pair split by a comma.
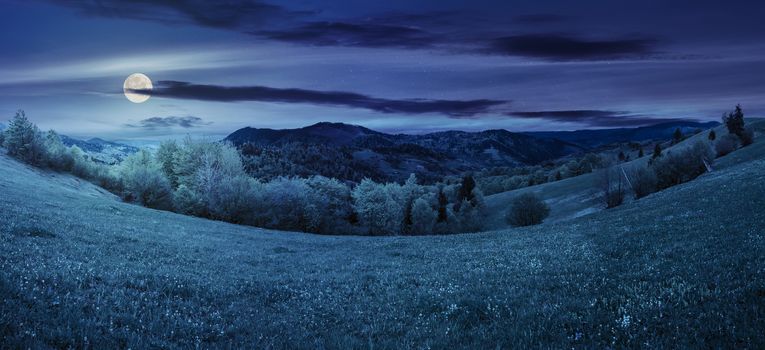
x,y
726,144
643,182
527,209
747,137
683,165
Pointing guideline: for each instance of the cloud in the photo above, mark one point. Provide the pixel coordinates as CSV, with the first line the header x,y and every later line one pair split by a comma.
x,y
230,14
353,34
556,47
539,18
168,122
452,108
601,118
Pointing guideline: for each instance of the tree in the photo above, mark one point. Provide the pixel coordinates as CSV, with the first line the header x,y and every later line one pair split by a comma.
x,y
144,182
612,186
57,156
656,151
165,155
378,207
734,121
423,215
411,190
677,136
622,157
334,204
712,135
466,188
683,165
726,144
22,140
643,181
526,210
641,153
443,201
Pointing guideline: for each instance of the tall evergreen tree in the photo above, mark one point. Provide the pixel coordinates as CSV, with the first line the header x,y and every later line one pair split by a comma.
x,y
712,135
656,151
22,139
734,121
442,203
677,136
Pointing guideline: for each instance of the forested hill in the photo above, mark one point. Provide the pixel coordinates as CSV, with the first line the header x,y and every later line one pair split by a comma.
x,y
352,152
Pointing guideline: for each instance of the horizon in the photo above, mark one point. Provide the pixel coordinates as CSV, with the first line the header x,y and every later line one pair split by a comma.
x,y
394,68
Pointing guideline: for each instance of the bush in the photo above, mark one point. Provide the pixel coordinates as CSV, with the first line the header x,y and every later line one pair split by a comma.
x,y
726,144
747,137
527,209
683,165
643,182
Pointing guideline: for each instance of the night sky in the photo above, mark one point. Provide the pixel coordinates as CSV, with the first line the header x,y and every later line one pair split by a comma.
x,y
395,65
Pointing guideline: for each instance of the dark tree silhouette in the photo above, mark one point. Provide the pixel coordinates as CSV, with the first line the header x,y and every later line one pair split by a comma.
x,y
442,202
677,136
466,189
734,121
656,151
712,135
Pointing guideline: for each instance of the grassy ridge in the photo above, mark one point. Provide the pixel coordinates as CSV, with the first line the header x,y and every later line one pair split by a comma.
x,y
578,196
683,267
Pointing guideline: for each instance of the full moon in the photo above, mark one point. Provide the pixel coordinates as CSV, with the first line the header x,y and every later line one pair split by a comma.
x,y
137,81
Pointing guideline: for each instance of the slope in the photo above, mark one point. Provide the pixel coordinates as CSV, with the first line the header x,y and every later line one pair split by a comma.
x,y
83,270
578,196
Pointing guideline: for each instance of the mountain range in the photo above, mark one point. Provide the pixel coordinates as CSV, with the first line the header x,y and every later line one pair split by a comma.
x,y
337,149
101,150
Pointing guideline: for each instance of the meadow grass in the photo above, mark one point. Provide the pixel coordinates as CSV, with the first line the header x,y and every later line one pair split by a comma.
x,y
680,268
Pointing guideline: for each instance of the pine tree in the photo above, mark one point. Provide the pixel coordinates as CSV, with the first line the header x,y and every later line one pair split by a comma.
x,y
466,189
622,157
677,136
22,140
442,203
656,151
712,136
734,121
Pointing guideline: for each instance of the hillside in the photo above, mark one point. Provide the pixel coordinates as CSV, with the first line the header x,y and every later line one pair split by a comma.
x,y
577,196
599,137
80,269
352,152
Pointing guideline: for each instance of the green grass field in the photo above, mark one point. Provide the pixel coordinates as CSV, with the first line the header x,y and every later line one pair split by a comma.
x,y
681,268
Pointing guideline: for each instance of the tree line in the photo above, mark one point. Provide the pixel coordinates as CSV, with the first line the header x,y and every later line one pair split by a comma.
x,y
209,179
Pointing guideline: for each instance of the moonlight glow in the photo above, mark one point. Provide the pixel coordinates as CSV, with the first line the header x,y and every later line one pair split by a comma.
x,y
137,81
